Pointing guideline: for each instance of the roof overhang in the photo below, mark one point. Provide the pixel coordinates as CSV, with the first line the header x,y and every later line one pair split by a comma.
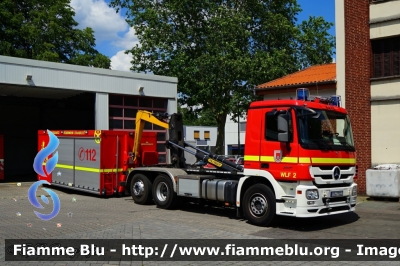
x,y
36,92
296,86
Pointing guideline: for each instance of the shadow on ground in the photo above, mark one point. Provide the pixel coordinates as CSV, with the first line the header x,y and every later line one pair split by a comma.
x,y
316,223
281,222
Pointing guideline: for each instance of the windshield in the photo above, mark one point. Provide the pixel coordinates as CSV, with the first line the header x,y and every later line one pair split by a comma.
x,y
324,130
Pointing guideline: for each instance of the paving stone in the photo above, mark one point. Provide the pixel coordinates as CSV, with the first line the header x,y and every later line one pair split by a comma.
x,y
94,217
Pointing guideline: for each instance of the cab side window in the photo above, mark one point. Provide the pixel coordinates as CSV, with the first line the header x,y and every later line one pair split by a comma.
x,y
271,126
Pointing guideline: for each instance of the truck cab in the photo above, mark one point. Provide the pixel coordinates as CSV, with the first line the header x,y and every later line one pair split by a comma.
x,y
305,149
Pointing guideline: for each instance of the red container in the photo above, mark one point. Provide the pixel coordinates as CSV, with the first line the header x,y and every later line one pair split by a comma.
x,y
96,161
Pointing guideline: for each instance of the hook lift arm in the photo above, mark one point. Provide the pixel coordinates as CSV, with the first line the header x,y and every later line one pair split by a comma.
x,y
176,144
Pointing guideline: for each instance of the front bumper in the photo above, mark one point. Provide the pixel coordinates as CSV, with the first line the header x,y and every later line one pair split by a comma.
x,y
326,204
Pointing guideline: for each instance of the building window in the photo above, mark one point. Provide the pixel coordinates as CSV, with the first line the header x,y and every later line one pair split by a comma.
x,y
161,136
122,116
242,126
196,135
206,134
115,99
145,102
115,123
386,57
130,101
131,113
115,112
129,124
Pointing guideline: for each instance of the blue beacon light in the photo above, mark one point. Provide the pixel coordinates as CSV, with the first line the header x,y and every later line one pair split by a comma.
x,y
335,100
302,94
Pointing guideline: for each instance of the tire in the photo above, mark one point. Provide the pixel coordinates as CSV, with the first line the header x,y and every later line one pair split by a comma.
x,y
141,189
163,191
259,205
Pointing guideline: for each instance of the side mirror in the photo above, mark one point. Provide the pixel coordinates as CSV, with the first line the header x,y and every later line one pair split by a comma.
x,y
283,128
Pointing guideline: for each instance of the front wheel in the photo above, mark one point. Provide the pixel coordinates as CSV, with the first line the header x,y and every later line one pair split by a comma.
x,y
259,205
163,192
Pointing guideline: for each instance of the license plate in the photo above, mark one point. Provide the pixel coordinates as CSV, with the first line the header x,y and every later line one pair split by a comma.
x,y
336,194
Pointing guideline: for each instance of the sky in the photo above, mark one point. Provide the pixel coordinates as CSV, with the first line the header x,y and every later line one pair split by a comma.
x,y
114,37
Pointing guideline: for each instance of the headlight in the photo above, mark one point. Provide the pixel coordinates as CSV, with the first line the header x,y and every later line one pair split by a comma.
x,y
312,194
354,192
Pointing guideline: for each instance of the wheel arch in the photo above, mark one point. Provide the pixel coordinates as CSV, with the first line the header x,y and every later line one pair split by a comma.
x,y
257,178
252,180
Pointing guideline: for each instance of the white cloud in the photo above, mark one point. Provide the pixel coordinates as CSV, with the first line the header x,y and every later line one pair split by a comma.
x,y
97,15
128,41
121,61
106,24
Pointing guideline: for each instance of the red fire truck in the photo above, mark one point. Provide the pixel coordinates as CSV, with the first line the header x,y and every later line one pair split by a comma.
x,y
299,161
96,161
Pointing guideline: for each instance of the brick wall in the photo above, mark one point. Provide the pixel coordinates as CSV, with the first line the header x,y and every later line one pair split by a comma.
x,y
357,72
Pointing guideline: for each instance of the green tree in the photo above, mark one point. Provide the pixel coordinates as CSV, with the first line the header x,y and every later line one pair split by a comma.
x,y
220,50
46,30
201,117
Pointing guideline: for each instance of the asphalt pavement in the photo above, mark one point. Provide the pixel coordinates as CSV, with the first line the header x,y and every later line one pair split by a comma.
x,y
87,216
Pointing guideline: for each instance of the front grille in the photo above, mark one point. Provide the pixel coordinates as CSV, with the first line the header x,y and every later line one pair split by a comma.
x,y
329,177
332,185
330,167
324,175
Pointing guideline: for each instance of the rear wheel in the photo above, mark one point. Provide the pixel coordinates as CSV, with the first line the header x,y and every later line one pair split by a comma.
x,y
141,189
163,191
259,205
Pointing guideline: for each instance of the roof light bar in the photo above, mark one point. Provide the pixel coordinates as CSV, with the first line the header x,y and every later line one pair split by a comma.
x,y
302,94
335,100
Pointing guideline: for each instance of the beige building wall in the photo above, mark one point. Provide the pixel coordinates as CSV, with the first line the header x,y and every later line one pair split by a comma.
x,y
385,93
340,51
385,29
385,121
385,89
384,19
385,132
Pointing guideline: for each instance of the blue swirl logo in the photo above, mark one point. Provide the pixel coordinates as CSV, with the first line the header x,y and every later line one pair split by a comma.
x,y
32,198
44,153
44,168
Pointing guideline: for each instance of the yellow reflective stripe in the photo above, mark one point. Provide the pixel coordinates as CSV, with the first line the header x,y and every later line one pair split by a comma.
x,y
283,160
304,160
334,160
88,169
64,166
267,158
300,159
289,160
95,170
112,170
251,158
